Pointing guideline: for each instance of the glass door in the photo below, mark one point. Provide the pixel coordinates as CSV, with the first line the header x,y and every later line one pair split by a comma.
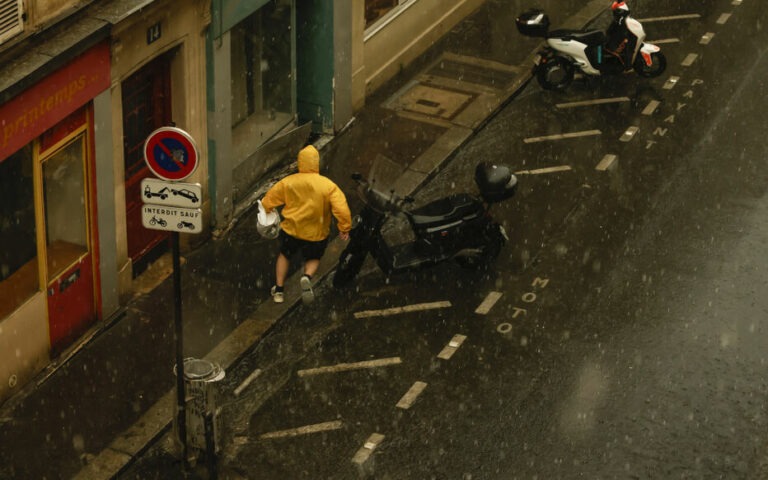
x,y
69,264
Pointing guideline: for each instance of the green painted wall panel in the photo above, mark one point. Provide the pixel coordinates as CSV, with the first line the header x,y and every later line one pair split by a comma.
x,y
314,63
228,13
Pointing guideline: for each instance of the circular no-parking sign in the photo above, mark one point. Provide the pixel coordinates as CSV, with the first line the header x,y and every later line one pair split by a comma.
x,y
171,153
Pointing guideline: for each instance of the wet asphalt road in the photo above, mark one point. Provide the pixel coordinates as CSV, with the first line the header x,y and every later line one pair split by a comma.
x,y
629,340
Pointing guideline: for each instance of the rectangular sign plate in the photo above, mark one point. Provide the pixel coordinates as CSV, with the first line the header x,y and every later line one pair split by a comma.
x,y
175,194
172,219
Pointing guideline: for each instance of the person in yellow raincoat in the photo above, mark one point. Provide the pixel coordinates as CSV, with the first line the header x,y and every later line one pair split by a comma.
x,y
308,200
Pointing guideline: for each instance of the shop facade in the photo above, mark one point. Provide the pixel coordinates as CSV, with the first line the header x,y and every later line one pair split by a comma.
x,y
50,263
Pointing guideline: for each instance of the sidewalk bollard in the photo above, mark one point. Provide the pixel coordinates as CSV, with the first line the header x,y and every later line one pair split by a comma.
x,y
200,378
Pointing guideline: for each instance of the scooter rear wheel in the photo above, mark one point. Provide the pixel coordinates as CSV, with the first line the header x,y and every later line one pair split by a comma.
x,y
555,74
348,268
494,240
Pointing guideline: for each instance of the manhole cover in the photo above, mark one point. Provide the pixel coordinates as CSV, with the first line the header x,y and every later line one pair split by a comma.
x,y
432,101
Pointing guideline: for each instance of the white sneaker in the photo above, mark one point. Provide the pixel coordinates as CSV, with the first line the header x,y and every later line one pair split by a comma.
x,y
307,295
278,297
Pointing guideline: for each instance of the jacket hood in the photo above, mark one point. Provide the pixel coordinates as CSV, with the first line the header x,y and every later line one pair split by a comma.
x,y
309,160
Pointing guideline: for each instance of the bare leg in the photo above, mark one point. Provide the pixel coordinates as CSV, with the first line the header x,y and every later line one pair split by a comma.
x,y
281,269
310,267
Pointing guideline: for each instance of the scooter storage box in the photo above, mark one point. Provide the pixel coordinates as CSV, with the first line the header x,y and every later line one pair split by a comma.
x,y
533,23
496,182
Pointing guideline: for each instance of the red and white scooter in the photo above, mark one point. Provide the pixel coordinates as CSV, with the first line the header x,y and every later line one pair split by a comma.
x,y
593,52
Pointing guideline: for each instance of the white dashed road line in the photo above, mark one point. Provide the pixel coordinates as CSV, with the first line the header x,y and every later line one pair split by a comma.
x,y
651,107
447,352
488,303
670,83
367,449
607,163
723,18
686,16
305,430
629,134
587,103
706,38
562,136
689,59
344,367
247,381
411,395
397,310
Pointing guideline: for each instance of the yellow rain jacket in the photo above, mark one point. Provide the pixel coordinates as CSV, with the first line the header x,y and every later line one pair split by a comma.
x,y
310,199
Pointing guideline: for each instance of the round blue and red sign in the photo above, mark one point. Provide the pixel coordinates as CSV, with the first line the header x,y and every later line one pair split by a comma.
x,y
171,153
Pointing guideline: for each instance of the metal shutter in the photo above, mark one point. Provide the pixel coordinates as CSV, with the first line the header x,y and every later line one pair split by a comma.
x,y
10,19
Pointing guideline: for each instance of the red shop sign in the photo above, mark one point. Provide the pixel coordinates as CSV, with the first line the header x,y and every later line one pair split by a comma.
x,y
49,101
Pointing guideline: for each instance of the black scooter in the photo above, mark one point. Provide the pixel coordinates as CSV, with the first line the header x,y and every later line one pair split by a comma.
x,y
457,227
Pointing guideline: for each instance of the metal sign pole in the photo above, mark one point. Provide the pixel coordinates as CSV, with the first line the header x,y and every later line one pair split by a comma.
x,y
178,332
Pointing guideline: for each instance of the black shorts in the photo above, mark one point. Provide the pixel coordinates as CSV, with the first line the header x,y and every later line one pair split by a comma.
x,y
289,246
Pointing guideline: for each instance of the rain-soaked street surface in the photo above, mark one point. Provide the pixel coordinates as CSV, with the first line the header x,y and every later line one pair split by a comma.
x,y
621,334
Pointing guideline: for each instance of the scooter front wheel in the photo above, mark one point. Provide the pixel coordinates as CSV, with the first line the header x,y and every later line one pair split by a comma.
x,y
656,68
555,74
348,268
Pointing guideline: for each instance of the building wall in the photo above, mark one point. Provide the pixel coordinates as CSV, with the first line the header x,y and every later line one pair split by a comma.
x,y
387,47
183,24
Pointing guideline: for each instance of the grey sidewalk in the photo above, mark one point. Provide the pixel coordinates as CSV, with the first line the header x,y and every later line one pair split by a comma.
x,y
114,398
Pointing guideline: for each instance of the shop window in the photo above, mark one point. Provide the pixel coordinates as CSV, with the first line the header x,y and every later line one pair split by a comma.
x,y
64,190
18,250
376,9
261,59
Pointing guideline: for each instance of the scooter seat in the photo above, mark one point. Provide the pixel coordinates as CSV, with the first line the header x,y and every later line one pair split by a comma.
x,y
445,211
590,37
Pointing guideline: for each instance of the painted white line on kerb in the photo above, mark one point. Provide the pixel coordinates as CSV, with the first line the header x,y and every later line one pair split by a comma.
x,y
344,367
689,59
607,163
417,307
305,430
447,352
247,381
706,38
562,136
629,134
723,18
561,168
686,16
670,83
367,449
587,103
411,395
488,303
651,107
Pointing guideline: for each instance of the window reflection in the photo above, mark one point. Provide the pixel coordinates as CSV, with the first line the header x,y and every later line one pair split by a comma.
x,y
18,248
65,208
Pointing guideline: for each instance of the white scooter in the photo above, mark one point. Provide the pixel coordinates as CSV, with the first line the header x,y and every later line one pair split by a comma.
x,y
569,50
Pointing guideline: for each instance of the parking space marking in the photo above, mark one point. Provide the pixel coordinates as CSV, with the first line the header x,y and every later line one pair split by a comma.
x,y
607,163
629,134
689,59
367,449
447,352
664,40
706,38
723,18
247,381
488,303
670,83
685,16
345,367
651,107
406,309
539,171
736,2
305,430
587,103
411,395
562,136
